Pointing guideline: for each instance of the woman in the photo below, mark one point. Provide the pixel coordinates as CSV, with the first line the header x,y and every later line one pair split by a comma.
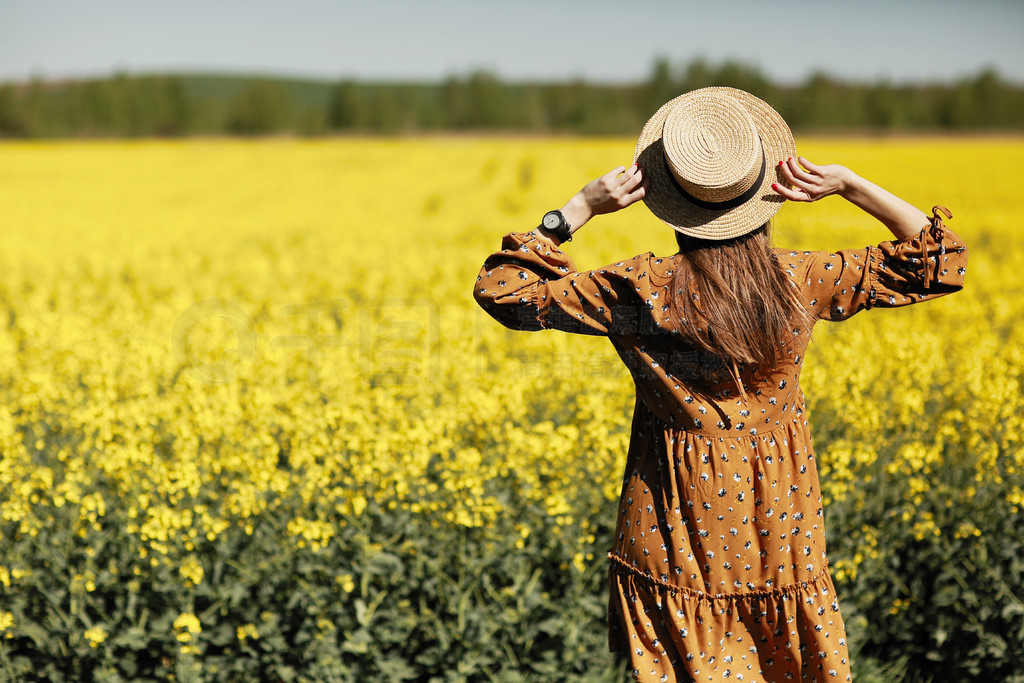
x,y
718,569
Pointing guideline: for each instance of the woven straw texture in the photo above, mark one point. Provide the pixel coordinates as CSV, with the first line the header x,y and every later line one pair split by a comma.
x,y
713,143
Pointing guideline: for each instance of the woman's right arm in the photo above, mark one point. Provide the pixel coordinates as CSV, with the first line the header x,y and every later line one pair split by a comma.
x,y
902,219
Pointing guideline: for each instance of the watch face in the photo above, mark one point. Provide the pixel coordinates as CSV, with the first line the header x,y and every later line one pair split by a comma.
x,y
551,220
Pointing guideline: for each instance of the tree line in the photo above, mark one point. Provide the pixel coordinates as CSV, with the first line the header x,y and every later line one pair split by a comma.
x,y
126,105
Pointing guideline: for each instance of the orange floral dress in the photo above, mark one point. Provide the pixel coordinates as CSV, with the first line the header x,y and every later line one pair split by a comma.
x,y
718,569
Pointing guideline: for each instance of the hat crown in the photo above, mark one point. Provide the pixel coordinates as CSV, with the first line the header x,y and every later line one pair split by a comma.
x,y
712,146
709,169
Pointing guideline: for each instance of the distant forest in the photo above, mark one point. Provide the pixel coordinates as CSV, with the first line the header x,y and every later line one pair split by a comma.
x,y
126,105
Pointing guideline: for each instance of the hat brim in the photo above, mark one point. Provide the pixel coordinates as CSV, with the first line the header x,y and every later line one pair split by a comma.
x,y
665,198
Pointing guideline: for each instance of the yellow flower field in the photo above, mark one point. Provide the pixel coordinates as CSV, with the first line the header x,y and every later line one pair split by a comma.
x,y
211,341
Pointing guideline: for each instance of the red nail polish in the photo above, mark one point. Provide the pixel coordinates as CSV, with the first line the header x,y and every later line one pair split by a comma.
x,y
789,159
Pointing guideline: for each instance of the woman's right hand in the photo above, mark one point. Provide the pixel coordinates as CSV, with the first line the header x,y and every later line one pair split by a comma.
x,y
811,184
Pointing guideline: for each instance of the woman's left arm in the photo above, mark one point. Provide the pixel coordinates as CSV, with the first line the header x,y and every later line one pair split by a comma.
x,y
531,284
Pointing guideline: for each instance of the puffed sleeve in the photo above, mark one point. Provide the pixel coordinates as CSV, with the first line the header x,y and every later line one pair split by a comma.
x,y
532,285
894,273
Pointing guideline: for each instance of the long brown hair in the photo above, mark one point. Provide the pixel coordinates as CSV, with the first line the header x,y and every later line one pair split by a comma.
x,y
736,301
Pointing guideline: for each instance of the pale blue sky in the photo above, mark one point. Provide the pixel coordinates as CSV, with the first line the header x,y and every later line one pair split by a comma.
x,y
600,40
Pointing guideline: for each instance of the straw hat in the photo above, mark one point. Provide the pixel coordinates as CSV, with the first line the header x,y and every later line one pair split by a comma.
x,y
710,157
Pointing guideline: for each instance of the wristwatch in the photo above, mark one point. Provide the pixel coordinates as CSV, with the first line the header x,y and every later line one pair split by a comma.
x,y
555,222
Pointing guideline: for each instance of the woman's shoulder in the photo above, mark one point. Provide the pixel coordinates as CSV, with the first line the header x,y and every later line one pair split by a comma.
x,y
641,268
795,262
662,268
793,255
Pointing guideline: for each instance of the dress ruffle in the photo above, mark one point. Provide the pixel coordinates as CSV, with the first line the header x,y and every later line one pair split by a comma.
x,y
793,632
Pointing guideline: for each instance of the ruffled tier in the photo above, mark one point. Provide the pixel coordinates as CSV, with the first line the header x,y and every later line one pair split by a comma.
x,y
793,632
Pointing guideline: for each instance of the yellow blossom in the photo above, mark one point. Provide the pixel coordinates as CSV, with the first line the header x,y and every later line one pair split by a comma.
x,y
186,625
247,631
6,621
192,571
347,584
96,635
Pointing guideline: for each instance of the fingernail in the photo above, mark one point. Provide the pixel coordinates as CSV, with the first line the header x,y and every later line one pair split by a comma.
x,y
775,186
789,159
